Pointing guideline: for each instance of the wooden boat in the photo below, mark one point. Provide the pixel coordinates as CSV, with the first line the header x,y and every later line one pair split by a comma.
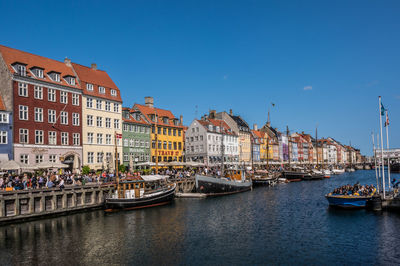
x,y
148,191
347,201
233,182
265,178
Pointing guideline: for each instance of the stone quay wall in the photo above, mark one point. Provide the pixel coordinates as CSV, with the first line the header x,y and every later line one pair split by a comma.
x,y
29,204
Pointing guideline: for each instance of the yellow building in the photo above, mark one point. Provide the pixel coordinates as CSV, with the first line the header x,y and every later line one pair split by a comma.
x,y
166,132
264,139
101,118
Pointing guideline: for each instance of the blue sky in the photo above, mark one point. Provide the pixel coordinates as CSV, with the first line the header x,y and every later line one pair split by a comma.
x,y
321,62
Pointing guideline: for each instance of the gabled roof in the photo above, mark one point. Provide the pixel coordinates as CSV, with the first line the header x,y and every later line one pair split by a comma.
x,y
132,119
240,122
258,134
11,56
147,111
224,128
97,78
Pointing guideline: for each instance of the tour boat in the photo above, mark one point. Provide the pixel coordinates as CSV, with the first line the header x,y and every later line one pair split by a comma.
x,y
347,201
149,191
293,176
337,171
233,182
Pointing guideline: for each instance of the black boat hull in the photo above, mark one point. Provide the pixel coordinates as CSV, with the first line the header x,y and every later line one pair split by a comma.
x,y
395,168
217,187
293,176
131,204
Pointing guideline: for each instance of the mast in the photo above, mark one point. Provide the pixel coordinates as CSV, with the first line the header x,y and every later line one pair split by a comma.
x,y
383,165
252,147
387,147
156,139
267,151
222,150
287,134
116,162
316,144
376,170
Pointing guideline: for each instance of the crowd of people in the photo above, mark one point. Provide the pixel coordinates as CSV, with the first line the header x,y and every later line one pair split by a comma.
x,y
355,190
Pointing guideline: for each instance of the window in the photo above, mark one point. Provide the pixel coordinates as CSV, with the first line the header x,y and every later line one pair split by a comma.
x,y
99,104
38,114
132,143
23,112
52,116
174,132
169,145
4,118
164,145
89,103
126,156
99,138
52,138
175,145
126,142
108,156
75,99
108,139
76,139
3,137
64,97
159,130
169,131
116,107
55,77
137,143
164,131
179,132
64,118
51,95
75,119
102,90
89,87
100,156
116,123
108,122
71,80
90,156
39,158
179,145
108,106
99,121
24,158
89,120
113,92
52,158
21,70
38,92
23,135
38,72
38,136
64,138
23,89
90,138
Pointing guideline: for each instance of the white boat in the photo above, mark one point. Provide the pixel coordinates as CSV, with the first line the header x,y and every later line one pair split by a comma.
x,y
337,171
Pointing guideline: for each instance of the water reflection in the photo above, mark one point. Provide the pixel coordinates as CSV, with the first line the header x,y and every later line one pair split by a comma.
x,y
286,224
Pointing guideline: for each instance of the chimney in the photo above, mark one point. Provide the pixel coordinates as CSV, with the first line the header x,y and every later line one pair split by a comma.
x,y
230,112
181,120
255,127
149,101
268,124
67,61
93,66
205,117
212,114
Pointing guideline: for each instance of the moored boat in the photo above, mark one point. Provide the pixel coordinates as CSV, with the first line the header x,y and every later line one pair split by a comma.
x,y
149,191
347,201
233,182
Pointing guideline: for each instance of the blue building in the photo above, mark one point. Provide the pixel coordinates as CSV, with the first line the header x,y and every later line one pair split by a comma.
x,y
255,141
6,136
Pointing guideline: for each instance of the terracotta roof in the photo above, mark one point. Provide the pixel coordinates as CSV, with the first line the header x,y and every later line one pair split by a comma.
x,y
2,107
97,78
11,56
217,122
258,133
147,111
132,119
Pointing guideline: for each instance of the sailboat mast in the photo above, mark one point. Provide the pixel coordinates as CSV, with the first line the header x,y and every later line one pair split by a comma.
x,y
376,170
156,139
287,135
316,144
222,151
387,147
383,165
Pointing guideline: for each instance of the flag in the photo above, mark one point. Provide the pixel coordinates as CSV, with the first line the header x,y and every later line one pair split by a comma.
x,y
273,105
118,136
387,119
382,110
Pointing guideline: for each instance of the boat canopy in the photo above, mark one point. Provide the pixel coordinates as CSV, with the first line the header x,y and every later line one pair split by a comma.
x,y
154,177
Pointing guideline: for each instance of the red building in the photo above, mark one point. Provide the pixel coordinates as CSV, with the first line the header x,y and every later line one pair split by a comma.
x,y
47,107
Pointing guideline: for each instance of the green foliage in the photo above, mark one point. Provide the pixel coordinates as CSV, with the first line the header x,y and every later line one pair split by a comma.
x,y
85,170
122,168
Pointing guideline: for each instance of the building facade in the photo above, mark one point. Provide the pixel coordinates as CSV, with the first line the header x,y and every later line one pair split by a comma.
x,y
6,134
102,118
135,138
166,132
46,100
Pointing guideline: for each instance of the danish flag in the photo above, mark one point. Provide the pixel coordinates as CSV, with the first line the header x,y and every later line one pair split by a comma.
x,y
118,136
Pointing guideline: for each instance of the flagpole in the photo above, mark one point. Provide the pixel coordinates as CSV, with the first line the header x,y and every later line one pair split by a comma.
x,y
379,164
383,165
387,146
376,170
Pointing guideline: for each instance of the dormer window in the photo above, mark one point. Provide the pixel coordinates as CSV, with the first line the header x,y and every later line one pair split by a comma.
x,y
176,122
113,93
217,128
38,72
89,87
210,127
54,76
21,69
165,120
70,80
102,90
153,117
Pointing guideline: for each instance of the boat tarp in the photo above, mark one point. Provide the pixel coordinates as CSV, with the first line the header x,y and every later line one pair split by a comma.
x,y
154,177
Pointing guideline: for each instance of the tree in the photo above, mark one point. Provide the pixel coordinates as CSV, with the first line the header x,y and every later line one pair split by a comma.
x,y
85,170
122,168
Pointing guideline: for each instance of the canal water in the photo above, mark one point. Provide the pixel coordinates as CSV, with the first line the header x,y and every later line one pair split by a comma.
x,y
286,224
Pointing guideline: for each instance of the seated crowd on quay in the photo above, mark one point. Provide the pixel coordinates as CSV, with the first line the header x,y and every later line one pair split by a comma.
x,y
355,190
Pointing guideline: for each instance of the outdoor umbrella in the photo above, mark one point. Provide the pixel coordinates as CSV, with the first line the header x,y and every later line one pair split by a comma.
x,y
12,165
